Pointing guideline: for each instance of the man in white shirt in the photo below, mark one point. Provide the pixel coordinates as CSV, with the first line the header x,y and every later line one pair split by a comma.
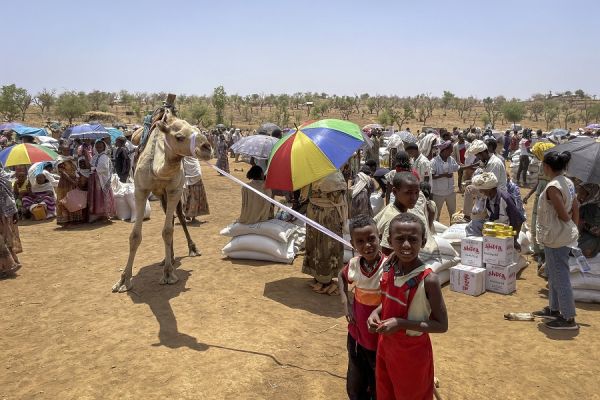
x,y
443,167
420,163
490,163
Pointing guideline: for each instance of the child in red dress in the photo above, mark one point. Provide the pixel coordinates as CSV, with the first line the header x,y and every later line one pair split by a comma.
x,y
412,307
364,274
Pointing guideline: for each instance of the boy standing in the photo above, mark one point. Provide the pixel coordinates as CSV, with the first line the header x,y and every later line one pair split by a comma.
x,y
443,167
412,307
364,273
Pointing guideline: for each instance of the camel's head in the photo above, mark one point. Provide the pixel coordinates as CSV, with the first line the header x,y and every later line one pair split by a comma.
x,y
183,139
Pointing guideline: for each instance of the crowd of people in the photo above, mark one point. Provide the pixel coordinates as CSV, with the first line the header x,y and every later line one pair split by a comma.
x,y
396,299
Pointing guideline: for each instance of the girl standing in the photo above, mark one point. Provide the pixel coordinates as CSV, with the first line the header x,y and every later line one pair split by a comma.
x,y
195,202
67,169
557,219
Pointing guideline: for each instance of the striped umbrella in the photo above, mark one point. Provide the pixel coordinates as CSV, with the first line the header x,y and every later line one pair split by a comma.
x,y
25,153
311,152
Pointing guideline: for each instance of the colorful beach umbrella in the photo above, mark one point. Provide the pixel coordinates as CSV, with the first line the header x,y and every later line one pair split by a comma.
x,y
311,152
26,153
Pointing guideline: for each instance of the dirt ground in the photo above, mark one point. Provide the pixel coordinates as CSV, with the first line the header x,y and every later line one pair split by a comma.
x,y
244,330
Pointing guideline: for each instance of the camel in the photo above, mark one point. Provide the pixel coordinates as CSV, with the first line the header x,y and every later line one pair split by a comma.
x,y
159,171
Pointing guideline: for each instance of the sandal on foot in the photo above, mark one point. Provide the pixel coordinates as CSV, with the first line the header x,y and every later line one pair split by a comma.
x,y
332,290
319,287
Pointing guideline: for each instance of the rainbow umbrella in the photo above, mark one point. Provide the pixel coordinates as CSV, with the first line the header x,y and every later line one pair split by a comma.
x,y
311,152
26,153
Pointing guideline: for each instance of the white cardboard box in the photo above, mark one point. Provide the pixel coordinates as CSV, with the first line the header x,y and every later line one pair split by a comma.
x,y
498,251
471,251
501,279
467,279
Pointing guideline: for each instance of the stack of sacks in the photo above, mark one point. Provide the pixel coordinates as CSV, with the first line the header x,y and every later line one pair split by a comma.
x,y
525,240
448,258
271,240
514,163
586,285
439,227
454,234
124,194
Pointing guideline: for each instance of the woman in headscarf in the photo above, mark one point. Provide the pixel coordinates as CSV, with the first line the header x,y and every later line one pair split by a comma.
x,y
21,188
42,191
10,243
255,208
222,160
328,206
588,195
538,150
362,188
195,202
101,202
67,170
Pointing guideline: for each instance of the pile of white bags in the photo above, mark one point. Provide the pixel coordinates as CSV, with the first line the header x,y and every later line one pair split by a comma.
x,y
586,285
272,240
125,200
447,259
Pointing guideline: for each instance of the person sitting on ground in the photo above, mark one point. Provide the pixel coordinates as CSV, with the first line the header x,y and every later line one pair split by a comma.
x,y
361,189
491,163
499,204
254,208
21,188
421,164
588,195
363,272
412,307
42,193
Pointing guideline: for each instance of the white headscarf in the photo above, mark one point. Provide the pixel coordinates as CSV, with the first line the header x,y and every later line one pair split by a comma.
x,y
486,180
476,147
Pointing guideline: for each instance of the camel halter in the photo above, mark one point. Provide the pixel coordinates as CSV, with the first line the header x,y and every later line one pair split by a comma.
x,y
193,137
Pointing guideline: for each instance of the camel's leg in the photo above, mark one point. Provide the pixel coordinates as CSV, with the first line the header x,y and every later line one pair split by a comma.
x,y
135,238
169,276
193,250
163,205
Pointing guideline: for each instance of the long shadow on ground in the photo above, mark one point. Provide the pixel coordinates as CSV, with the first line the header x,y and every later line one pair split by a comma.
x,y
296,293
148,291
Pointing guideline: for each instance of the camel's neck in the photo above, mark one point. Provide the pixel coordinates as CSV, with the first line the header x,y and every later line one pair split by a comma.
x,y
165,164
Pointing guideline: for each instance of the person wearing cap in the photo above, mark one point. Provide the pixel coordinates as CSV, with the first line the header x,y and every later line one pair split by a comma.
x,y
499,206
443,167
491,163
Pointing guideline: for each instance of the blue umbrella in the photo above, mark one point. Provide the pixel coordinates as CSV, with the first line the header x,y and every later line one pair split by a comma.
x,y
114,134
86,131
7,126
29,131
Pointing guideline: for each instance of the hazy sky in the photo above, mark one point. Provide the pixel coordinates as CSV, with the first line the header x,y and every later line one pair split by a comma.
x,y
480,48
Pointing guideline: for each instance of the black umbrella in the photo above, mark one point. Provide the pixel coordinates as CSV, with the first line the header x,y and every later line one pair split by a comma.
x,y
585,158
268,128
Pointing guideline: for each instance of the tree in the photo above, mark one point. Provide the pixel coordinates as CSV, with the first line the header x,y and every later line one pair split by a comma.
x,y
97,99
492,109
550,112
447,100
71,105
513,111
398,116
198,113
536,108
23,100
464,107
580,93
371,102
219,98
14,102
567,112
44,100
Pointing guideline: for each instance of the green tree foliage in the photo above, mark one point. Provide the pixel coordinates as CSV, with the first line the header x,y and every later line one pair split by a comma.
x,y
44,100
14,102
219,98
550,113
492,107
97,99
447,101
514,111
198,114
536,108
71,105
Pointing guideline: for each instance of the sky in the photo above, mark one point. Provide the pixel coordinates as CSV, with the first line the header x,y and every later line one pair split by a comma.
x,y
346,47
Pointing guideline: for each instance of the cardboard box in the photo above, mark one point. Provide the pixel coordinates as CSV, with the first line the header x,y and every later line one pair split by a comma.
x,y
501,279
498,251
467,279
471,251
